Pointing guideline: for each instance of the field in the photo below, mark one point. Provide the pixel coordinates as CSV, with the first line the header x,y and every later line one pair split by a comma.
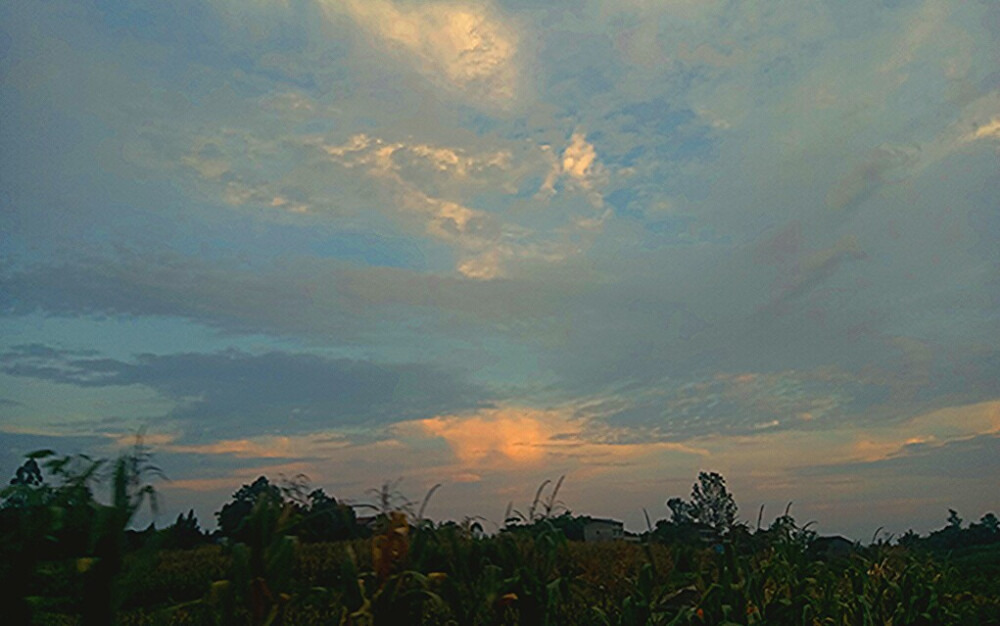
x,y
281,556
534,576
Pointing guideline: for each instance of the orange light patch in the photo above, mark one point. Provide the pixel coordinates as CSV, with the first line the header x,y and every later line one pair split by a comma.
x,y
514,438
511,434
261,447
149,439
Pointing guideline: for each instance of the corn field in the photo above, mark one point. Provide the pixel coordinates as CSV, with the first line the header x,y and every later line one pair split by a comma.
x,y
428,575
410,570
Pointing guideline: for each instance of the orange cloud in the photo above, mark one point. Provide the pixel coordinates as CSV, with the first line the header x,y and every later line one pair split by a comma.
x,y
516,435
271,447
515,438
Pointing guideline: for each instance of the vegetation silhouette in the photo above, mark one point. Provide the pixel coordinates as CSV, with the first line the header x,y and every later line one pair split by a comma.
x,y
285,553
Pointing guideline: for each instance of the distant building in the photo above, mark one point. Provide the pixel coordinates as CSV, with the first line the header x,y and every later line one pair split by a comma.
x,y
832,547
603,530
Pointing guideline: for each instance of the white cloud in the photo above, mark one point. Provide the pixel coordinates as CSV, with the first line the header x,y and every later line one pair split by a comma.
x,y
578,165
414,159
474,232
462,46
430,185
580,159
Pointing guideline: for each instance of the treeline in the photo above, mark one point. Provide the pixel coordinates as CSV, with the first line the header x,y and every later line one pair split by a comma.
x,y
284,553
954,536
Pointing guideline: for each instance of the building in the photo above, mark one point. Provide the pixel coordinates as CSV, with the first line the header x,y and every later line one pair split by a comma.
x,y
832,547
603,530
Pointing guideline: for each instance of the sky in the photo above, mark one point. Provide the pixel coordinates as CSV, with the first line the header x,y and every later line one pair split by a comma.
x,y
487,243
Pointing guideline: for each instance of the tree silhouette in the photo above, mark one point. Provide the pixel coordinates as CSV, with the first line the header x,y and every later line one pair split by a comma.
x,y
27,487
990,523
954,521
184,533
711,505
233,514
325,519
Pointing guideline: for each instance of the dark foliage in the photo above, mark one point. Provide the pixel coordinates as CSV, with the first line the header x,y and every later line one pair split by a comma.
x,y
293,556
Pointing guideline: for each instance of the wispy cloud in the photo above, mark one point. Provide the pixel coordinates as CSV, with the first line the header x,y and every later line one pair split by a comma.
x,y
883,166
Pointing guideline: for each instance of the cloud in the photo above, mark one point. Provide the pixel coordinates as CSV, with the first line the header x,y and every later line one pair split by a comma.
x,y
854,478
587,337
580,159
139,285
724,404
263,447
409,160
817,268
919,29
514,438
952,442
186,488
15,445
836,448
342,302
363,178
969,459
989,130
883,166
427,183
274,392
400,165
580,166
464,47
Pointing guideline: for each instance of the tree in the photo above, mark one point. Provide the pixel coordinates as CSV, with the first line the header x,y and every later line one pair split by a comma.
x,y
950,536
986,531
954,521
232,515
325,519
711,505
681,512
184,533
909,539
27,487
28,474
26,522
990,523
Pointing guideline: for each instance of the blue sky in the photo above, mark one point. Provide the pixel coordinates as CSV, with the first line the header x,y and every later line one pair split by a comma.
x,y
490,243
